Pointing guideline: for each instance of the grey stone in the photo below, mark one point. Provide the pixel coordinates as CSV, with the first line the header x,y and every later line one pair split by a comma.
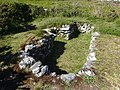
x,y
67,77
24,54
88,65
28,60
35,65
53,74
22,65
44,70
36,70
29,47
91,57
89,73
95,34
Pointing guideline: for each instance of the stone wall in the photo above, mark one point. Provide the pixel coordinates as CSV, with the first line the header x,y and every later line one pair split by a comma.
x,y
88,68
33,53
86,28
65,31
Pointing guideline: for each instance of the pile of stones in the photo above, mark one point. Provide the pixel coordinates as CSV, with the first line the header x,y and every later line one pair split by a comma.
x,y
86,28
33,53
91,58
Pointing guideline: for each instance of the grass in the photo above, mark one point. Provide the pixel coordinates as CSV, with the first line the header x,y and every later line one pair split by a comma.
x,y
108,61
71,55
10,46
16,40
74,53
56,21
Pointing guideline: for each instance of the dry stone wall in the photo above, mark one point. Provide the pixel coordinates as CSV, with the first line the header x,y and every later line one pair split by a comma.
x,y
34,53
86,28
65,31
91,58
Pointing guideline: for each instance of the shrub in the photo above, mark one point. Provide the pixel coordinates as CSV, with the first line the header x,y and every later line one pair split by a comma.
x,y
13,14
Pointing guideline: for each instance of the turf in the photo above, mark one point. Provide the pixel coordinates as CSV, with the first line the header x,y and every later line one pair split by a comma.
x,y
70,55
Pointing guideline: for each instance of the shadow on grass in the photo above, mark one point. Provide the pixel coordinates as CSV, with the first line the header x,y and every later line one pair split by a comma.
x,y
8,58
51,61
2,49
10,80
13,29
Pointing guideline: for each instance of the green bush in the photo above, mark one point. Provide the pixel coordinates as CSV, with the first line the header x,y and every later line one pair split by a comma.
x,y
13,14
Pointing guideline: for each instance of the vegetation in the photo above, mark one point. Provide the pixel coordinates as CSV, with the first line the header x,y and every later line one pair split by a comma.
x,y
16,16
13,15
71,55
108,61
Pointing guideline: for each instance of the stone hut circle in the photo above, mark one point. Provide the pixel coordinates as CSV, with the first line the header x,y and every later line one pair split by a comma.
x,y
32,54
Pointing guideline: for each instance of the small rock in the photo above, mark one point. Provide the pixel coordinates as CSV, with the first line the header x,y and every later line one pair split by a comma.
x,y
29,47
68,77
89,73
53,74
95,34
37,64
44,69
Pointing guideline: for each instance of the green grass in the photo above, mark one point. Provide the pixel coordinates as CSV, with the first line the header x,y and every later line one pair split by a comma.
x,y
74,53
71,55
108,61
56,21
16,40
